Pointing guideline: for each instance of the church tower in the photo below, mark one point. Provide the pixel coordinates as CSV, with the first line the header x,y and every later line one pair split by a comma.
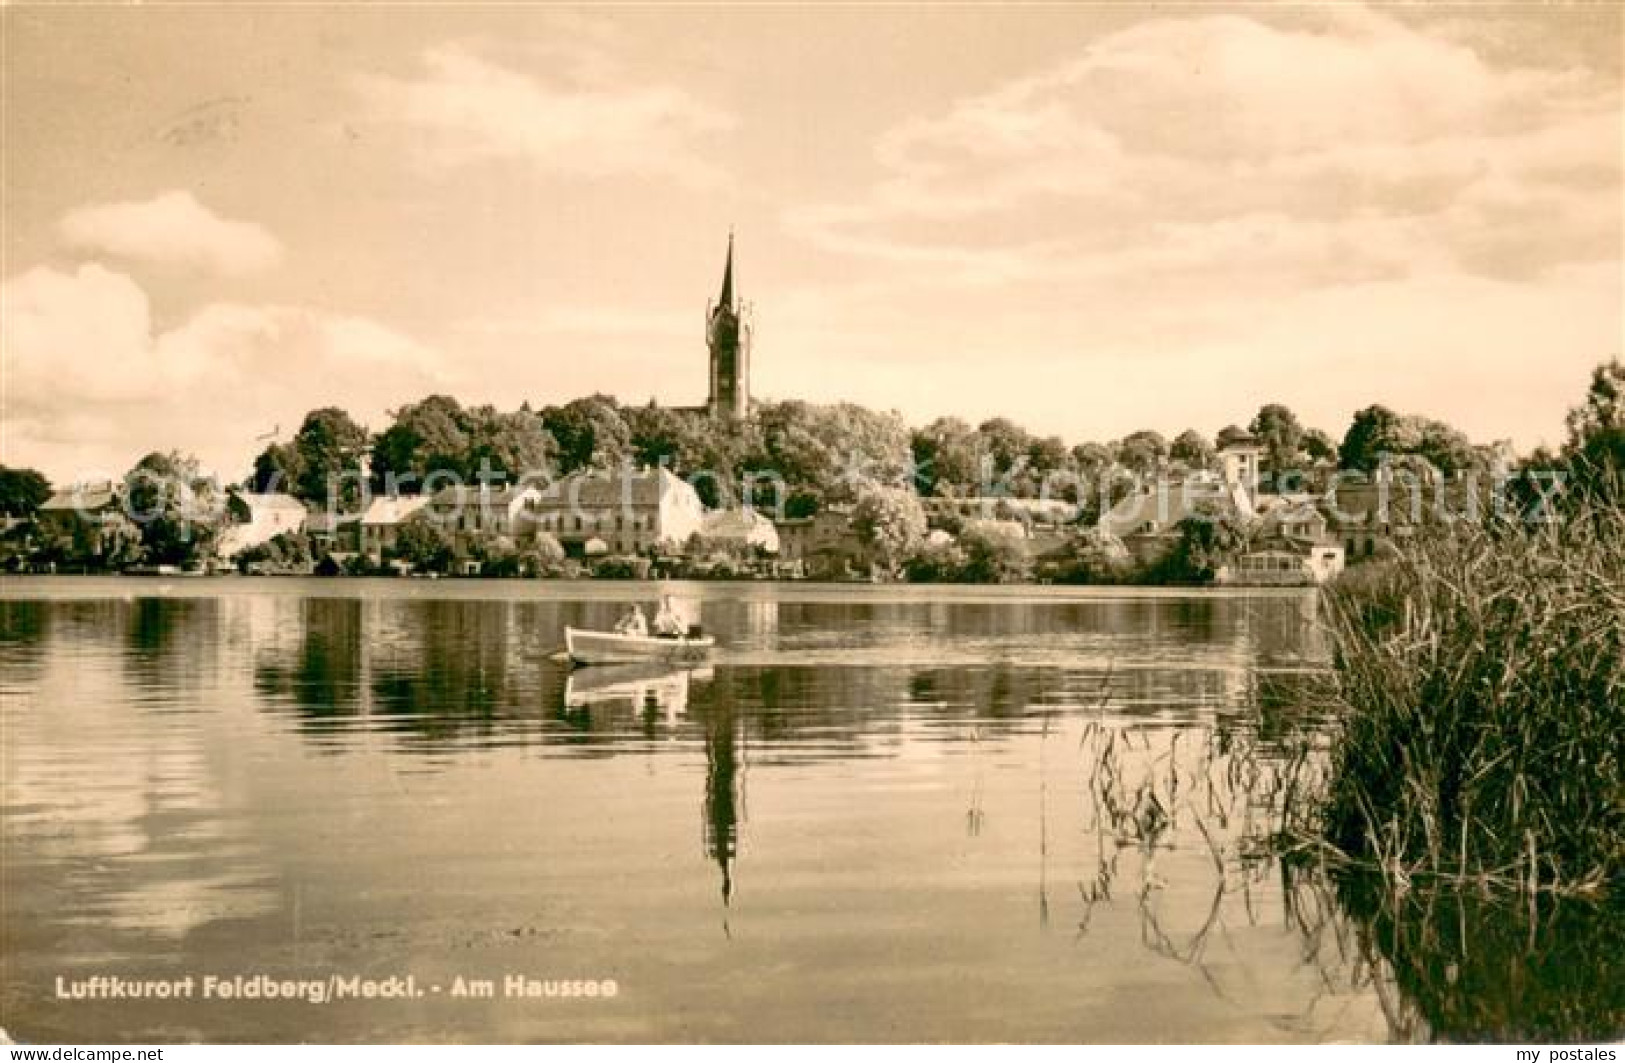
x,y
727,334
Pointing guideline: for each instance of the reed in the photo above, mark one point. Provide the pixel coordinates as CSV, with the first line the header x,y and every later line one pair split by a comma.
x,y
1481,697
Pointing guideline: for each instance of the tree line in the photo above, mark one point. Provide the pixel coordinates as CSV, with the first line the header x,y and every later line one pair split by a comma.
x,y
814,455
819,453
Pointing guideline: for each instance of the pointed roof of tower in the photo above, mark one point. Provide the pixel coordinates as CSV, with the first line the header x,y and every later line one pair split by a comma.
x,y
727,297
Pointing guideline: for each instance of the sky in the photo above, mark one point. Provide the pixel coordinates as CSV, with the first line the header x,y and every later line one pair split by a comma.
x,y
1092,218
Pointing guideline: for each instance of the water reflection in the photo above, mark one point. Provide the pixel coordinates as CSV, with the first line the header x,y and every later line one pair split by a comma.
x,y
722,788
400,779
1453,965
321,672
651,690
110,775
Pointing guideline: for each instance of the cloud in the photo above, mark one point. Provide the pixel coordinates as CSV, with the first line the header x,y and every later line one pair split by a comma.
x,y
575,321
1497,358
1364,143
1195,215
172,229
571,124
90,385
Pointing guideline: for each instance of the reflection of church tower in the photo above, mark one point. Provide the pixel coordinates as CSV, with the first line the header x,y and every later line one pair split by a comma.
x,y
721,787
727,334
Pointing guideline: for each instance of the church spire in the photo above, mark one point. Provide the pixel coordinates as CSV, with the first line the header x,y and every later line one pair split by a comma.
x,y
727,297
727,334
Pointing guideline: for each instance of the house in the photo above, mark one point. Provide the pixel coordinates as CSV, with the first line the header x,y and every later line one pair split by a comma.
x,y
381,523
334,532
824,544
1371,515
1239,451
1284,564
82,513
1147,521
481,508
743,529
254,518
631,511
1293,517
80,503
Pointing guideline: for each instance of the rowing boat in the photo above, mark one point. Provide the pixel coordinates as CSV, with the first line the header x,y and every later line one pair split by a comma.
x,y
607,647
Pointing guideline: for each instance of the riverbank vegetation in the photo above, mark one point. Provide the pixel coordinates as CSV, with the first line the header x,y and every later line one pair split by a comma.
x,y
1482,685
1481,688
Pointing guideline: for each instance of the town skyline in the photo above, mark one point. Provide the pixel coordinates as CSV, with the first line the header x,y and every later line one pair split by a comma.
x,y
1091,221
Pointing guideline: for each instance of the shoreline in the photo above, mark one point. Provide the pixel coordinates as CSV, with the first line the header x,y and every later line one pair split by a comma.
x,y
61,587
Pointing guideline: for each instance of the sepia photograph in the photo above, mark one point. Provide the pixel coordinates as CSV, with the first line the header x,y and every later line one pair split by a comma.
x,y
781,523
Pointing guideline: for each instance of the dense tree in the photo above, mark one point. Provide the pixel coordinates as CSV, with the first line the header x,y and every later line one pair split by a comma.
x,y
541,556
1372,432
177,511
820,452
998,456
1091,459
1048,454
889,521
1093,557
589,432
1602,413
287,547
515,446
1377,431
1446,448
947,457
993,555
711,455
323,463
660,436
277,468
437,441
22,491
1004,446
1596,442
1319,445
934,562
1281,436
1192,448
870,444
1143,452
797,445
426,544
1208,538
426,438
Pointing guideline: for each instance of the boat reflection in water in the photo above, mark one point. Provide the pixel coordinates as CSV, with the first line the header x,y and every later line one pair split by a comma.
x,y
650,689
655,691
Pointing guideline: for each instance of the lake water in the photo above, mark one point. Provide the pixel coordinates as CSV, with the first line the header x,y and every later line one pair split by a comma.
x,y
880,814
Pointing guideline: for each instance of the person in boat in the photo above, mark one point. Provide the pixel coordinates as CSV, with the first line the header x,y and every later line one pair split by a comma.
x,y
668,623
632,621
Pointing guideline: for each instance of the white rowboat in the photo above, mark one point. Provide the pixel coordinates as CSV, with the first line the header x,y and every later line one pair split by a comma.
x,y
605,647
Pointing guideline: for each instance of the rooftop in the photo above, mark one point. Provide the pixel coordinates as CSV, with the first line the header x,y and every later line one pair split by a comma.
x,y
83,497
393,510
471,495
1236,436
599,488
1164,503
